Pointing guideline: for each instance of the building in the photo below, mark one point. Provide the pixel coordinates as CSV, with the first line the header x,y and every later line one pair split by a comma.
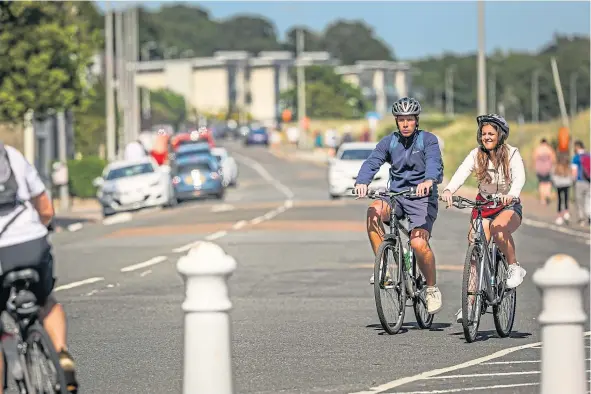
x,y
236,80
381,82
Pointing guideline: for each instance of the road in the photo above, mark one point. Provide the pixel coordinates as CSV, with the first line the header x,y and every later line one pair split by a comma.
x,y
303,315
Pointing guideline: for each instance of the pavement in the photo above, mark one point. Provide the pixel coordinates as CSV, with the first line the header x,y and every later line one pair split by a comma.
x,y
303,317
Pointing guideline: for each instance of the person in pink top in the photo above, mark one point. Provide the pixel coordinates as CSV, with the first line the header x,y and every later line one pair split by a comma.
x,y
544,159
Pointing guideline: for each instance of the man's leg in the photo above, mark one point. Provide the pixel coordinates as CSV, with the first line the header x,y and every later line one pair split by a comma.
x,y
422,214
377,213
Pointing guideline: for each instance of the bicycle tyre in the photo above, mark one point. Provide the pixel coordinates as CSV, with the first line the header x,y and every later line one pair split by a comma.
x,y
390,328
418,303
36,334
470,330
509,296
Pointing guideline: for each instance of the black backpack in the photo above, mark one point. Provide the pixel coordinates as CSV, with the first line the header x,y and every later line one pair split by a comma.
x,y
8,189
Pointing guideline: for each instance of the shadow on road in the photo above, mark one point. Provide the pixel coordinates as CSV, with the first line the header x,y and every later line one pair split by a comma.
x,y
409,326
488,334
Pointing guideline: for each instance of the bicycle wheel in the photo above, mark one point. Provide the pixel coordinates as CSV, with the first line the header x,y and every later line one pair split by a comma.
x,y
504,311
419,304
471,294
46,374
389,291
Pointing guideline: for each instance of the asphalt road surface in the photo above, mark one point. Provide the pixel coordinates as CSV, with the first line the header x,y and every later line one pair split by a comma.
x,y
303,318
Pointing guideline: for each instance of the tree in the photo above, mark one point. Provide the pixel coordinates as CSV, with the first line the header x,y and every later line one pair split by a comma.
x,y
327,96
313,42
352,41
47,49
168,107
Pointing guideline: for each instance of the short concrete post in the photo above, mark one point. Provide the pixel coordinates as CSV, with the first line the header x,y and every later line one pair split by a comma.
x,y
562,281
207,349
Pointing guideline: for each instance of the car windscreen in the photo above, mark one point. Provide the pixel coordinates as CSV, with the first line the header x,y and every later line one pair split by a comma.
x,y
123,172
355,154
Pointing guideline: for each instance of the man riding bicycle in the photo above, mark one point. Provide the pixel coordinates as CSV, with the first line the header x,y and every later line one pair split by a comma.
x,y
415,160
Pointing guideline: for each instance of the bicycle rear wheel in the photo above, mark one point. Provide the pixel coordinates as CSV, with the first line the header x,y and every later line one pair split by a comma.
x,y
46,374
419,303
471,294
389,291
504,311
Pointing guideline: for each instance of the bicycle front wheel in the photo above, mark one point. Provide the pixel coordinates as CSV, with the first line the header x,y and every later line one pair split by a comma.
x,y
45,373
504,311
471,294
389,290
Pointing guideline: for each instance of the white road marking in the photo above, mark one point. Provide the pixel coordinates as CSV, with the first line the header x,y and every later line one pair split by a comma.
x,y
518,362
479,375
147,263
256,220
441,371
267,216
222,208
79,283
92,292
216,235
148,272
118,218
459,390
75,226
239,225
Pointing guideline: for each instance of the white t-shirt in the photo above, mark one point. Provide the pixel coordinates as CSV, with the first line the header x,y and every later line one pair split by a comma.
x,y
27,226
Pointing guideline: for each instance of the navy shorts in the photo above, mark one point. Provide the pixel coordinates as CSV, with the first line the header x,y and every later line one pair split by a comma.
x,y
421,212
34,254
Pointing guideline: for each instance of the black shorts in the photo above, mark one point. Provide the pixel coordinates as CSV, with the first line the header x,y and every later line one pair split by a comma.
x,y
544,178
34,254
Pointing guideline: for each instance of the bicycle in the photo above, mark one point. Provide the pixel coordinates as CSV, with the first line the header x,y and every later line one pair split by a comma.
x,y
405,280
26,344
490,275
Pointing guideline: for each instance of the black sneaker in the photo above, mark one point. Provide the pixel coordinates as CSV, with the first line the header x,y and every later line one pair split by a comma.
x,y
67,364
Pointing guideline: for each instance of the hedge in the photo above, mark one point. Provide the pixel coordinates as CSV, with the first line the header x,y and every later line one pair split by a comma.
x,y
81,174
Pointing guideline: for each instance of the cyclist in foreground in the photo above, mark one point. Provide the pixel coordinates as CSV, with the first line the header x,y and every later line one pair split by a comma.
x,y
500,173
25,212
415,160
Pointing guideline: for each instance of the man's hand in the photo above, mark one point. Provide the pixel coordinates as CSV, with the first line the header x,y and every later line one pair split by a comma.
x,y
361,190
423,188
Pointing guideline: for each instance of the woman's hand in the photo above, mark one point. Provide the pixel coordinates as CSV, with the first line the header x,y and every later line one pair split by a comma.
x,y
507,199
446,196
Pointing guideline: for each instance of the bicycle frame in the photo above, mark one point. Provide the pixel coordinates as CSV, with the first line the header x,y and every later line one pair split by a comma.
x,y
486,279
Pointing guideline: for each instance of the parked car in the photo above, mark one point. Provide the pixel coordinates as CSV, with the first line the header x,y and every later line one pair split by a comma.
x,y
197,176
134,184
202,134
258,136
344,167
228,164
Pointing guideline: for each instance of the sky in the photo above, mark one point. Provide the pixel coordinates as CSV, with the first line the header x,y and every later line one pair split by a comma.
x,y
415,29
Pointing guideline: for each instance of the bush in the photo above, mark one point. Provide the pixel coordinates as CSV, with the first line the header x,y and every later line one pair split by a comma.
x,y
82,172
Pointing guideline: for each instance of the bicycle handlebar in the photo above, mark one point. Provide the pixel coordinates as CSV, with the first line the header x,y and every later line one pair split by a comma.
x,y
462,202
380,194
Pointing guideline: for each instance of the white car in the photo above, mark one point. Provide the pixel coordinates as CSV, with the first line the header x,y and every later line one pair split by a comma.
x,y
228,164
344,167
134,184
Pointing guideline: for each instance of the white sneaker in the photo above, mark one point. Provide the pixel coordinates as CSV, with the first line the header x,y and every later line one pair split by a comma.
x,y
566,216
433,298
515,276
459,316
371,280
559,221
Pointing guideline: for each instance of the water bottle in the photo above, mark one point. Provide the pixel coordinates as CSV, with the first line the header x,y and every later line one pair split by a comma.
x,y
407,258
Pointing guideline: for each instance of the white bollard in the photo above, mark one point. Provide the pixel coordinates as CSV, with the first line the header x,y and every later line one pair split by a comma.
x,y
207,350
562,281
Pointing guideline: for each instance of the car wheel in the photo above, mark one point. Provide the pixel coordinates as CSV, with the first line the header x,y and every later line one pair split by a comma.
x,y
334,197
107,214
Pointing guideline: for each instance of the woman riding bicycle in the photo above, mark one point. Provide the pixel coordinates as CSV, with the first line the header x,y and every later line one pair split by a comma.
x,y
500,173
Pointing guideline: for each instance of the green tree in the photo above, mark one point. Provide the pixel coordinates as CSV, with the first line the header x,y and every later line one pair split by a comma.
x,y
46,49
168,107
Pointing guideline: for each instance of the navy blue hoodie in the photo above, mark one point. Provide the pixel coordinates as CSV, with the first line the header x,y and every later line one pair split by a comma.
x,y
413,160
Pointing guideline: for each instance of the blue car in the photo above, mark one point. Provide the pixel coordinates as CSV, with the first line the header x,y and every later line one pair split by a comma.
x,y
258,136
197,176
